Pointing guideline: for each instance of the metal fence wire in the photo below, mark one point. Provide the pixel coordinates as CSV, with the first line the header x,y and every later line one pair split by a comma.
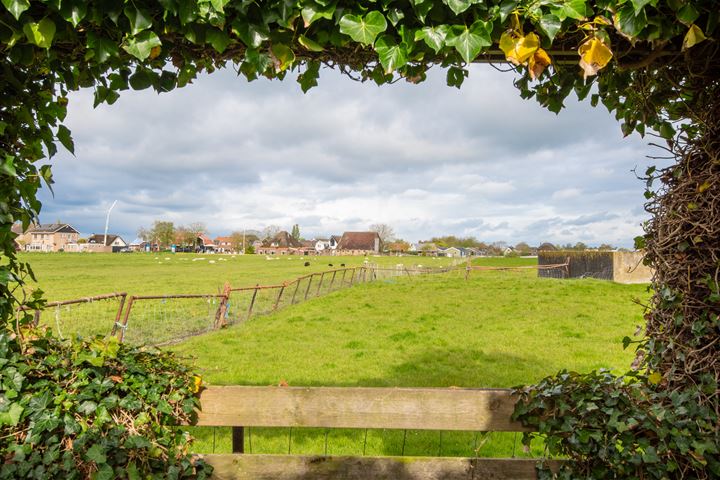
x,y
164,319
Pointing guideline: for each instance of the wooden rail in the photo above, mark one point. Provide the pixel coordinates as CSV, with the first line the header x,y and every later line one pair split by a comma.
x,y
378,408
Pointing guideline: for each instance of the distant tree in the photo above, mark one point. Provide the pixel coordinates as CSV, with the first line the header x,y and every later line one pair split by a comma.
x,y
398,246
196,229
385,232
249,250
82,240
270,231
547,246
163,233
295,232
606,246
580,246
144,234
183,236
238,241
522,248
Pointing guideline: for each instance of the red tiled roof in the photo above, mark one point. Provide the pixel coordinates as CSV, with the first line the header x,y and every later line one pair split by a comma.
x,y
359,241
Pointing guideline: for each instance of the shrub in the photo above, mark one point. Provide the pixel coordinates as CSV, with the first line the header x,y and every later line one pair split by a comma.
x,y
93,409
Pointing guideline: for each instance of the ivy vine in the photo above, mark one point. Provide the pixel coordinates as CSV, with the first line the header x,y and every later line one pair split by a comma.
x,y
653,63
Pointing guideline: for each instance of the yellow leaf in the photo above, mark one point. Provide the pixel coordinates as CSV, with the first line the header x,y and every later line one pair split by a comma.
x,y
704,186
154,52
594,56
693,36
655,378
518,48
197,382
538,62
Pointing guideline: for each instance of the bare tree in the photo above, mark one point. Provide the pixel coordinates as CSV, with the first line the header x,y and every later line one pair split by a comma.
x,y
270,231
386,232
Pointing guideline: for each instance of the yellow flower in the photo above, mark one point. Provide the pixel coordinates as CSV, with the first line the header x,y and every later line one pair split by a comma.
x,y
197,382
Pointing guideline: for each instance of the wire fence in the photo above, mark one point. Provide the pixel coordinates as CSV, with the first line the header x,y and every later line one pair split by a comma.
x,y
79,316
557,270
166,319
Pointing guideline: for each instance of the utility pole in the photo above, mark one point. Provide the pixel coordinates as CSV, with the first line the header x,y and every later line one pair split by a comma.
x,y
107,223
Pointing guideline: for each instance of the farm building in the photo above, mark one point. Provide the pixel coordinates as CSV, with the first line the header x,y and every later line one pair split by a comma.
x,y
621,267
359,243
99,243
281,244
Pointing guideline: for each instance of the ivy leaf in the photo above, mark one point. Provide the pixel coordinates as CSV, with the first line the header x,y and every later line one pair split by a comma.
x,y
104,48
629,24
251,35
218,5
456,76
594,56
96,454
693,36
218,39
309,44
63,134
283,55
142,44
470,41
550,25
139,20
392,56
12,416
434,37
639,5
688,14
458,6
312,12
16,7
73,12
575,9
365,29
309,77
422,8
40,33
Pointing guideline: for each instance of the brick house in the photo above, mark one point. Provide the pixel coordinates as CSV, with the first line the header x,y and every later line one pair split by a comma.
x,y
281,244
51,237
359,243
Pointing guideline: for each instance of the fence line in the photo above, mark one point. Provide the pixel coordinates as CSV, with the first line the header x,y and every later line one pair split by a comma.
x,y
548,267
79,307
166,319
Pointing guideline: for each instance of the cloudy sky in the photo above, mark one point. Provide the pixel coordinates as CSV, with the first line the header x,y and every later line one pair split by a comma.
x,y
426,159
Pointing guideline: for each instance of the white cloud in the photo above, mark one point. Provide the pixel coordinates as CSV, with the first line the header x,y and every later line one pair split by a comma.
x,y
427,159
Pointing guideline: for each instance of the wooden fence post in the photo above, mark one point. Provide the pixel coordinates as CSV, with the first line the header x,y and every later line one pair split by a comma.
x,y
332,280
297,285
352,276
238,439
222,308
120,329
277,301
252,302
307,290
322,276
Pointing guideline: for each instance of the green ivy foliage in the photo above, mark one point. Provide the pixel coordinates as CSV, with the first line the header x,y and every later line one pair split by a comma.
x,y
620,427
93,409
663,57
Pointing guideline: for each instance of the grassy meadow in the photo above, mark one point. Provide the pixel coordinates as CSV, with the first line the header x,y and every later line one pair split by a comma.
x,y
64,276
497,329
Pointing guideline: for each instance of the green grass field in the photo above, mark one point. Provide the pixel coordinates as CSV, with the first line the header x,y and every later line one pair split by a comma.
x,y
64,276
498,329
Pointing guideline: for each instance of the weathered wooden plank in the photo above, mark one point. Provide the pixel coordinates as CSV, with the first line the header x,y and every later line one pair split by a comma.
x,y
297,467
341,407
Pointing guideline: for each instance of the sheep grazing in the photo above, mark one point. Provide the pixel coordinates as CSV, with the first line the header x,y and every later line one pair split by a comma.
x,y
307,264
342,264
330,264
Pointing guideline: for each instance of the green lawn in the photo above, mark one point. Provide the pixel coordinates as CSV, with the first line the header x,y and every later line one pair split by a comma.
x,y
499,329
64,276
